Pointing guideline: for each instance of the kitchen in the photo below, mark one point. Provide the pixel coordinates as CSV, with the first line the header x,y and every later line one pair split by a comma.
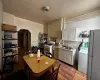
x,y
57,37
72,40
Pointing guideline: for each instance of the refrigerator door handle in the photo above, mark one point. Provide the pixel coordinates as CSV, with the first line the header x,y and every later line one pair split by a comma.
x,y
91,43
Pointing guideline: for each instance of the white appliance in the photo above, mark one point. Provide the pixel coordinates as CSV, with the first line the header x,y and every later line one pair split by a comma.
x,y
82,61
94,56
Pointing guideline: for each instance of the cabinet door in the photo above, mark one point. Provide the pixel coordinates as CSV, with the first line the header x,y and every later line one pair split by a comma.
x,y
69,34
62,55
64,35
72,34
56,53
68,58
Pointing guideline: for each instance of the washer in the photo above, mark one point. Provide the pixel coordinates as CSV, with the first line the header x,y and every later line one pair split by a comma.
x,y
82,62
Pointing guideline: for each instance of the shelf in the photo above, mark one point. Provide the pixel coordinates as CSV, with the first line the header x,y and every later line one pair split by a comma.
x,y
10,39
9,35
10,55
44,38
9,31
10,47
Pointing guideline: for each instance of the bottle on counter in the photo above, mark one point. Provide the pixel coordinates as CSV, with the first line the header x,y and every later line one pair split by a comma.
x,y
38,53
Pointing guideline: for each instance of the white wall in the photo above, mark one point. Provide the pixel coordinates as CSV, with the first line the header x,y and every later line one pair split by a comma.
x,y
84,22
90,24
84,25
84,16
33,27
89,21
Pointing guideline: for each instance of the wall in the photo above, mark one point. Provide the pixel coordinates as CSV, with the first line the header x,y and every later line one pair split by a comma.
x,y
1,18
33,27
55,28
84,25
46,28
84,16
90,24
88,21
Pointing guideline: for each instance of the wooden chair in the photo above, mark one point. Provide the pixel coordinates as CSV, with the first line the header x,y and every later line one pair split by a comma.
x,y
51,76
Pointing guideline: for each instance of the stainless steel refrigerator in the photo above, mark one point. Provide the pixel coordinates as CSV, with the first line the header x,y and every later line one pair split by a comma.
x,y
94,55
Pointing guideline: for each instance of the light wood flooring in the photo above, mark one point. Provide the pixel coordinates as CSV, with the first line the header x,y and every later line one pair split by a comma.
x,y
67,72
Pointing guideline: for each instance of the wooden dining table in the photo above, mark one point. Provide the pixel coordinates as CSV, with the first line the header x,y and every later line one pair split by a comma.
x,y
38,68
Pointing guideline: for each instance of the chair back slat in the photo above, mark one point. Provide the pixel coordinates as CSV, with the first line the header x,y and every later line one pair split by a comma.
x,y
52,76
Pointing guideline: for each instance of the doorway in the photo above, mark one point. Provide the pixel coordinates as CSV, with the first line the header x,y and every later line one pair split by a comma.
x,y
24,43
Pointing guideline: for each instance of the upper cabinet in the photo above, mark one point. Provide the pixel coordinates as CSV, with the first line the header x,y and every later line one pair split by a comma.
x,y
75,34
69,34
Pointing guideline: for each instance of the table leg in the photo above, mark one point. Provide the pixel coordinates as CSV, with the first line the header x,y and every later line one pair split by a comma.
x,y
29,73
27,70
1,76
25,67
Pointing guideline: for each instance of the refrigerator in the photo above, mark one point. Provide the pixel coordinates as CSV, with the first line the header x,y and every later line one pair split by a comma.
x,y
93,70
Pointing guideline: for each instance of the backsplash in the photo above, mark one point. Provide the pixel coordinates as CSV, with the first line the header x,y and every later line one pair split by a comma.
x,y
73,44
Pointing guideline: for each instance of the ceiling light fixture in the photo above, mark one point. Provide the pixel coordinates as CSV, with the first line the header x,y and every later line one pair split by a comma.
x,y
46,8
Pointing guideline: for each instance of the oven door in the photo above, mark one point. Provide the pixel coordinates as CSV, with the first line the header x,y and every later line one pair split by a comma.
x,y
48,50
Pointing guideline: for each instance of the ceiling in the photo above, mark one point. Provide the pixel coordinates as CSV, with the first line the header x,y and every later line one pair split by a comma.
x,y
31,9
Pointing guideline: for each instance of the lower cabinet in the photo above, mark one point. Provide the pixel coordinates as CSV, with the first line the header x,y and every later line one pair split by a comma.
x,y
69,59
62,55
67,56
56,52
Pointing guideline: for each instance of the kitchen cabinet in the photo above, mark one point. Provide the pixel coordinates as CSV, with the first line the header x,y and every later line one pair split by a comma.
x,y
56,49
72,34
69,58
67,55
62,55
69,34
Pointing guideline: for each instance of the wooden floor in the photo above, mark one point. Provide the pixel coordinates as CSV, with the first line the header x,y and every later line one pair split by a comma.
x,y
67,72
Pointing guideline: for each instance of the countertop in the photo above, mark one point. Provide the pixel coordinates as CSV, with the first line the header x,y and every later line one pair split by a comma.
x,y
64,48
